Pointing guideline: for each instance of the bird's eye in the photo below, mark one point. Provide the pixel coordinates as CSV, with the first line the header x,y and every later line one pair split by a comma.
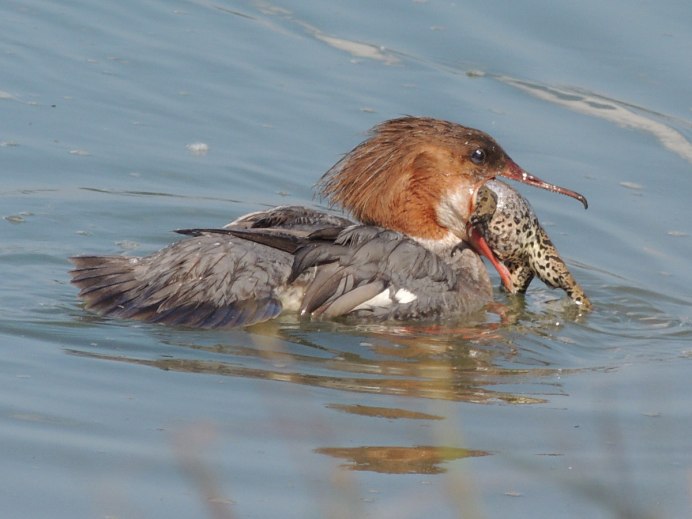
x,y
478,156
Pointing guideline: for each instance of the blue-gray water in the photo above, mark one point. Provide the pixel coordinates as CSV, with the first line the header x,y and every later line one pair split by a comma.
x,y
538,413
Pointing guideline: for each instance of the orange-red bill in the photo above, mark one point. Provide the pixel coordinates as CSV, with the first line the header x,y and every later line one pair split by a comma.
x,y
513,171
481,247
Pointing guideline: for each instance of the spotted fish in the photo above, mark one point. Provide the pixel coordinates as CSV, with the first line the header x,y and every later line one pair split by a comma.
x,y
504,228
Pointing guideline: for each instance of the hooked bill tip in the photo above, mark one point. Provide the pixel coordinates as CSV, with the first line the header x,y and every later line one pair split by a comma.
x,y
513,171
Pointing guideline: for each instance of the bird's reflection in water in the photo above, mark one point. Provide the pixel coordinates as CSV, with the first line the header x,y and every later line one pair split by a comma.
x,y
441,362
420,459
436,362
391,413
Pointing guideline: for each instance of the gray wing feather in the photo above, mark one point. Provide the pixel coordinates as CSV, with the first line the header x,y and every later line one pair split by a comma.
x,y
205,281
289,217
366,260
352,298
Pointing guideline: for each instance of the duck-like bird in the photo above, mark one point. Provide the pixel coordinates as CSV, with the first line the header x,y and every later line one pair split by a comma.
x,y
417,186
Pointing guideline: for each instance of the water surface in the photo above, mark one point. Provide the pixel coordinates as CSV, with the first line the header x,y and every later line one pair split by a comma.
x,y
528,411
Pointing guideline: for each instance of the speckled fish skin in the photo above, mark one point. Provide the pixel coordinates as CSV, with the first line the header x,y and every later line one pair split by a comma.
x,y
512,230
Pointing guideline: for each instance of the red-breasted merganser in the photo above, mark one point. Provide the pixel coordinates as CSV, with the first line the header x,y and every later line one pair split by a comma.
x,y
414,187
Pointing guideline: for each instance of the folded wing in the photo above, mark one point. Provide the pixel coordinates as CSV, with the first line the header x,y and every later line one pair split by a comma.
x,y
211,279
372,272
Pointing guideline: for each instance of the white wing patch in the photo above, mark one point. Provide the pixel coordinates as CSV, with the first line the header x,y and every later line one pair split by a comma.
x,y
384,299
403,296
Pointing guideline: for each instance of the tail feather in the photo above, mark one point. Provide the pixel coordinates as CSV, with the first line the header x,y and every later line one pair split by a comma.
x,y
118,286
